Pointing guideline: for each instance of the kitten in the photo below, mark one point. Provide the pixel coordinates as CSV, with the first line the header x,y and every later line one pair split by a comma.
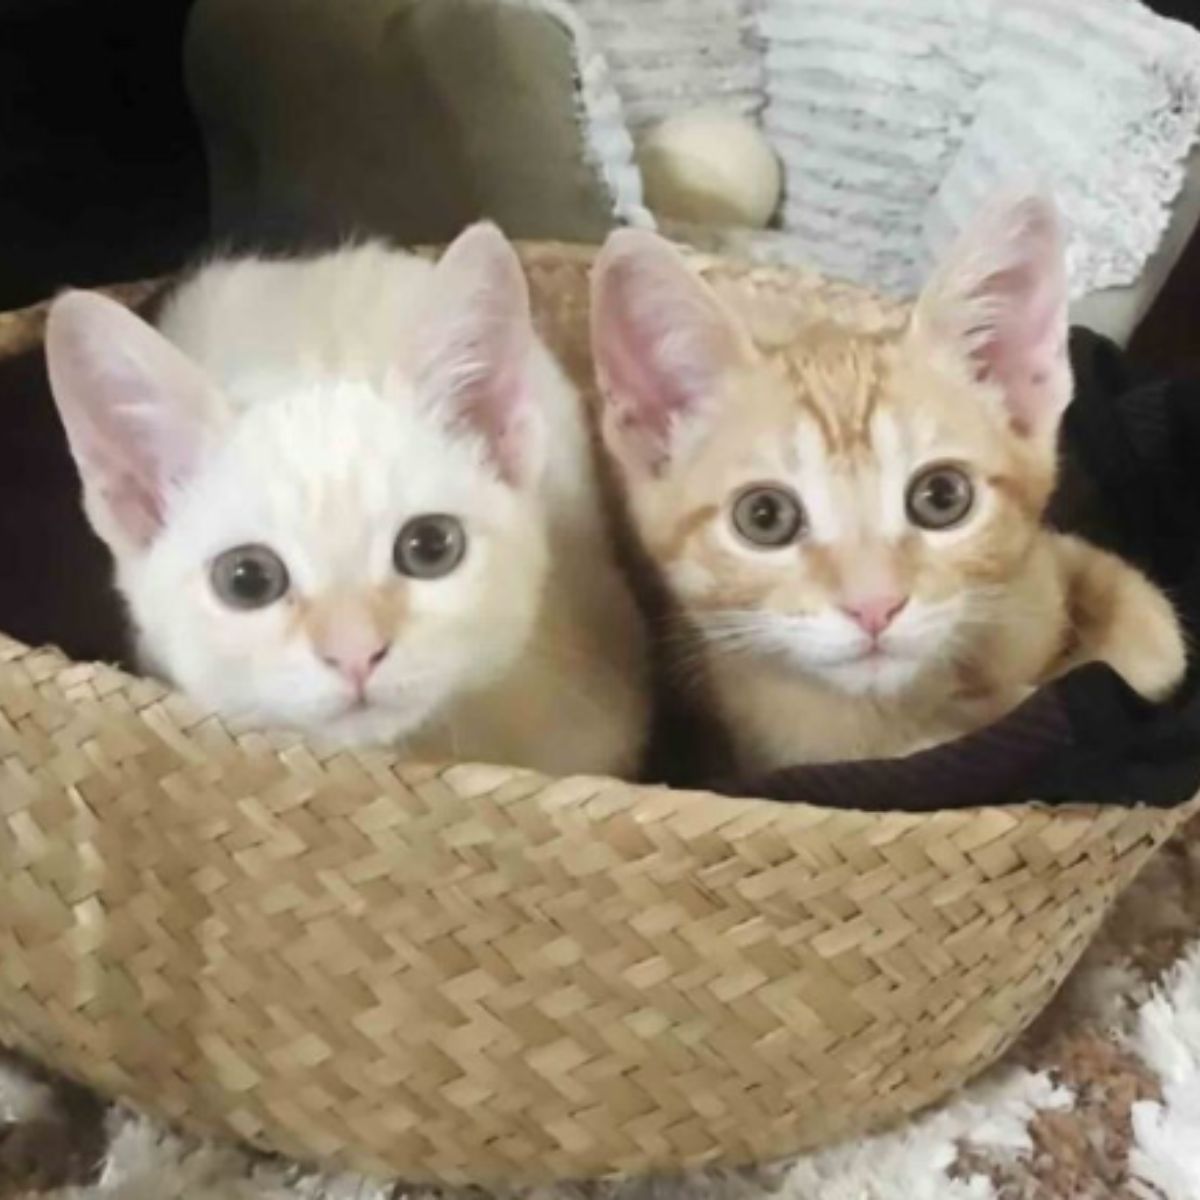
x,y
353,495
851,526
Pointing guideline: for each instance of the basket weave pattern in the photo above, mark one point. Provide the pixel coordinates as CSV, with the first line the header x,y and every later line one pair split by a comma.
x,y
475,974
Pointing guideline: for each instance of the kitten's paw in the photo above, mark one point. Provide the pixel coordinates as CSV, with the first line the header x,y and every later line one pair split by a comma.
x,y
1154,658
1127,622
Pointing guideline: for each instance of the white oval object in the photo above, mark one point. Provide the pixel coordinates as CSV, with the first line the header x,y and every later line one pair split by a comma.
x,y
710,168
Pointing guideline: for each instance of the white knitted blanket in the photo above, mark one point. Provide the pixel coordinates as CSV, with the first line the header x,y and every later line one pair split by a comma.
x,y
670,56
895,118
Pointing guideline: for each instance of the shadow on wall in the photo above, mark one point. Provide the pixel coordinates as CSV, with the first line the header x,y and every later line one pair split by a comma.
x,y
102,173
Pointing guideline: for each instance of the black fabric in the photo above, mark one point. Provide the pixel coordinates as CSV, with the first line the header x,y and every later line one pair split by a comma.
x,y
990,767
56,578
102,169
1130,483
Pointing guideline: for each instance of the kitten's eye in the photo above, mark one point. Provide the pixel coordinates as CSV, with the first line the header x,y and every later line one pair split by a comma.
x,y
768,516
430,547
249,577
940,497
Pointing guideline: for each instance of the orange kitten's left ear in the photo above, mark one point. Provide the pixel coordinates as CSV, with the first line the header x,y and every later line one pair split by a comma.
x,y
663,344
1000,298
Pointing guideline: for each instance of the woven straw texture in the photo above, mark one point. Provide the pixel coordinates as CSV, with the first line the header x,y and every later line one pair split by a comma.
x,y
474,974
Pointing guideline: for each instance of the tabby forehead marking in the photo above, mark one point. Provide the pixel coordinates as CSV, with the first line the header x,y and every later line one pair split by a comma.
x,y
837,380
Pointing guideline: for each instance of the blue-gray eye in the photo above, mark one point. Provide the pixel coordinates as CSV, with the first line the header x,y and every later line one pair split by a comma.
x,y
249,577
768,516
940,497
430,546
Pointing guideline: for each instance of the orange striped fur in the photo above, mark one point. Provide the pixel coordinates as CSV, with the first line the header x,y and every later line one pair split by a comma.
x,y
845,424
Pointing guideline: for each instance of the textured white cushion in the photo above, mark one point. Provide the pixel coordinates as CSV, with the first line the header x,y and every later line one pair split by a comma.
x,y
1102,101
675,56
895,122
1118,311
895,119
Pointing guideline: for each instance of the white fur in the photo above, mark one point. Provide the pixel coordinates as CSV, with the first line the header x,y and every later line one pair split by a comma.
x,y
339,427
1166,1151
917,1161
829,646
326,474
22,1097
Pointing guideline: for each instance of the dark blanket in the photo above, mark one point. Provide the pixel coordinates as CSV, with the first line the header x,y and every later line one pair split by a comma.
x,y
1130,483
55,575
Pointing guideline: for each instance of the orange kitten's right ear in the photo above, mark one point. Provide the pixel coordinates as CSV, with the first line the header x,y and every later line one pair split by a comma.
x,y
138,413
662,342
999,301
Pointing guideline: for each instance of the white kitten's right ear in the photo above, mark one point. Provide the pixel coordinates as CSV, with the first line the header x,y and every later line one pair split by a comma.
x,y
138,414
473,347
662,342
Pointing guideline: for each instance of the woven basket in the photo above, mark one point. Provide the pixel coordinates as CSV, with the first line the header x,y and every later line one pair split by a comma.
x,y
474,974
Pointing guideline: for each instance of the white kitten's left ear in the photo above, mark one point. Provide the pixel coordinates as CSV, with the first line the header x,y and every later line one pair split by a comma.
x,y
1000,299
139,415
474,344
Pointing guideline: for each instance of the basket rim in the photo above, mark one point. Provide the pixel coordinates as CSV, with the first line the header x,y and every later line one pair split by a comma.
x,y
55,669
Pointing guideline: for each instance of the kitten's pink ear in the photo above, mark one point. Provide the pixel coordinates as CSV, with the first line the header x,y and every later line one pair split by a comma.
x,y
473,346
1000,298
662,342
138,414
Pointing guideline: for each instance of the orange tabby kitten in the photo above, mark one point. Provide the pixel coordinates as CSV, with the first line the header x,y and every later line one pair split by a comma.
x,y
852,525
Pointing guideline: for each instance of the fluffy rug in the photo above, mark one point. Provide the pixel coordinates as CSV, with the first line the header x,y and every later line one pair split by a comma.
x,y
1099,1101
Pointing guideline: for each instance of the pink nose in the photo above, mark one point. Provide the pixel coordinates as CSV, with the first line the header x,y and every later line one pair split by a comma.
x,y
873,616
356,666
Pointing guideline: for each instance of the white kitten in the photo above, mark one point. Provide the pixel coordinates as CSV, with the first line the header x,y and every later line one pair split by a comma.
x,y
354,495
